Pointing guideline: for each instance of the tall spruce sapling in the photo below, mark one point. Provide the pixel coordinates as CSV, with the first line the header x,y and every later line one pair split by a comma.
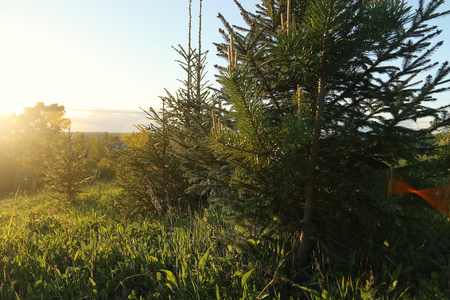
x,y
66,171
192,110
149,173
170,171
322,98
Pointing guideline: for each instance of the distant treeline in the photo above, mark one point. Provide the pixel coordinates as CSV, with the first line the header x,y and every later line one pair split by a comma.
x,y
28,142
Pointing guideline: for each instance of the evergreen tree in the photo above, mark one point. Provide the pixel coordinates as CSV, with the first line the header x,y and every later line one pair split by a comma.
x,y
171,170
191,111
149,172
322,96
66,171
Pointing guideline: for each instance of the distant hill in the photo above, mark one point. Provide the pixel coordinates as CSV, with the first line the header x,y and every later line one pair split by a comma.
x,y
99,134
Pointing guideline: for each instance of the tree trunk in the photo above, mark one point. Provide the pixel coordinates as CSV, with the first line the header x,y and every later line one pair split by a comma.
x,y
304,248
305,239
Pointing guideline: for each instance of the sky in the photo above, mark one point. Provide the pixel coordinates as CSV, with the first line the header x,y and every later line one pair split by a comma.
x,y
105,59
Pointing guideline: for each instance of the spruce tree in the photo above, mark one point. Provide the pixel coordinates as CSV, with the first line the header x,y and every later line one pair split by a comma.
x,y
66,171
149,173
191,110
322,98
170,170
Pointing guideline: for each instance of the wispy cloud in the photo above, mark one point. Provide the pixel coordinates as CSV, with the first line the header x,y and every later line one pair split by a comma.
x,y
110,120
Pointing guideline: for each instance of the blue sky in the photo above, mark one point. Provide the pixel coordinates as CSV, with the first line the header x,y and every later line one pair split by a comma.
x,y
104,59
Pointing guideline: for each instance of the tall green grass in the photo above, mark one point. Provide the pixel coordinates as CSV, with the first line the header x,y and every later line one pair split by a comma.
x,y
13,212
89,250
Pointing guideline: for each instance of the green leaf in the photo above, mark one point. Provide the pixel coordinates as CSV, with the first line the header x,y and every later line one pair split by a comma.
x,y
252,241
246,277
170,277
218,293
203,260
397,271
29,290
83,245
92,282
392,286
170,287
153,259
351,260
241,229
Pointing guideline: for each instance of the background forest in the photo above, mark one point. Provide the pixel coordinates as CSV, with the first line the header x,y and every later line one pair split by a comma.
x,y
290,180
31,143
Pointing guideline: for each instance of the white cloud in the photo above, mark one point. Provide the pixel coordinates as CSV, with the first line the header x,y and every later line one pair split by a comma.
x,y
101,120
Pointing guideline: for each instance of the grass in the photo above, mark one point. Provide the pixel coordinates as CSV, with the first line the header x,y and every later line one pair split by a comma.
x,y
89,250
13,212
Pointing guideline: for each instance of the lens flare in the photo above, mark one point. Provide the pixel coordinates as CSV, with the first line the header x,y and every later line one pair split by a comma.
x,y
438,197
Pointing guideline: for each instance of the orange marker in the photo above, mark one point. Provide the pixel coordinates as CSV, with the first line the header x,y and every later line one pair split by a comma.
x,y
438,197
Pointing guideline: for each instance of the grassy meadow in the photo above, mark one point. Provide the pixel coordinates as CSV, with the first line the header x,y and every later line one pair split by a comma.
x,y
90,250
